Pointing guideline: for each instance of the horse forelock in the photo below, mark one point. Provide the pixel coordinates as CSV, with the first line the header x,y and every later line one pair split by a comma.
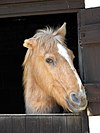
x,y
48,38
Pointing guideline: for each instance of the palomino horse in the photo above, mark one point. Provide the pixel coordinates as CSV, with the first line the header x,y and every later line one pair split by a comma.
x,y
49,76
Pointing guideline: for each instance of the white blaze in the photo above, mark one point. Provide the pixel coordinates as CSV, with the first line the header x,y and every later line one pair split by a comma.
x,y
63,52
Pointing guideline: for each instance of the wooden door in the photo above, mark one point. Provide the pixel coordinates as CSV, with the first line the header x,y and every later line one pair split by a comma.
x,y
89,55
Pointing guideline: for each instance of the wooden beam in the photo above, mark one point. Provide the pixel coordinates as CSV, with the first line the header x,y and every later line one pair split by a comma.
x,y
38,7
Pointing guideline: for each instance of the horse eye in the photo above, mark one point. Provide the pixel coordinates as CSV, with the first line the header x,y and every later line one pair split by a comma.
x,y
49,61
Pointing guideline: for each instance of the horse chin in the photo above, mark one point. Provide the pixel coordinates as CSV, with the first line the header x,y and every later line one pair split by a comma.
x,y
73,108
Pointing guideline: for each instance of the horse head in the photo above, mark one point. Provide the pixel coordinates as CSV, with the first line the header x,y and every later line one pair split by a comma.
x,y
49,64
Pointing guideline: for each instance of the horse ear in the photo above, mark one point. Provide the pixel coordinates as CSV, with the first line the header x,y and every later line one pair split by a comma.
x,y
29,43
62,30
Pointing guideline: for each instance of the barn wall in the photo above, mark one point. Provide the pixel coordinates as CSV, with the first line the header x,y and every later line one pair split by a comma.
x,y
89,55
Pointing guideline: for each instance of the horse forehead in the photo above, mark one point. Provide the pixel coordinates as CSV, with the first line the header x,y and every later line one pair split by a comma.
x,y
64,53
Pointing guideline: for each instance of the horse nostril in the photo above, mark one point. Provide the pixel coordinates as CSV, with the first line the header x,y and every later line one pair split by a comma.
x,y
75,98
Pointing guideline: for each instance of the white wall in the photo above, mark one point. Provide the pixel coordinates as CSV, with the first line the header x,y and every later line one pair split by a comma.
x,y
92,3
94,124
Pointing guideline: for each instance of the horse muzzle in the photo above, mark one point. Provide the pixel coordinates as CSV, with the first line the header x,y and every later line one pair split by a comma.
x,y
77,102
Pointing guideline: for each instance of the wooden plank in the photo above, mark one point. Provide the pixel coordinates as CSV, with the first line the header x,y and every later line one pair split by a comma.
x,y
75,3
17,1
91,63
93,92
94,108
12,124
85,125
27,1
48,123
26,8
55,123
32,124
59,124
89,16
18,124
89,55
45,124
70,122
89,44
90,34
93,95
5,124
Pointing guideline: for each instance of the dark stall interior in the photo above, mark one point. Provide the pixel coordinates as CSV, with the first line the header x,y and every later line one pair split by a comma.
x,y
13,31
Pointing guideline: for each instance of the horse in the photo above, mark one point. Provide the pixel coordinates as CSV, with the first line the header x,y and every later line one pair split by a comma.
x,y
50,79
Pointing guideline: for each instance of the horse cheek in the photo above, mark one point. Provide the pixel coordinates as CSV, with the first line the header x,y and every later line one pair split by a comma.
x,y
42,76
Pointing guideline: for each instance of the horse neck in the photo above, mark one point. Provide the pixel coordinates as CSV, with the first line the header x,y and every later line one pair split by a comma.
x,y
36,100
33,90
